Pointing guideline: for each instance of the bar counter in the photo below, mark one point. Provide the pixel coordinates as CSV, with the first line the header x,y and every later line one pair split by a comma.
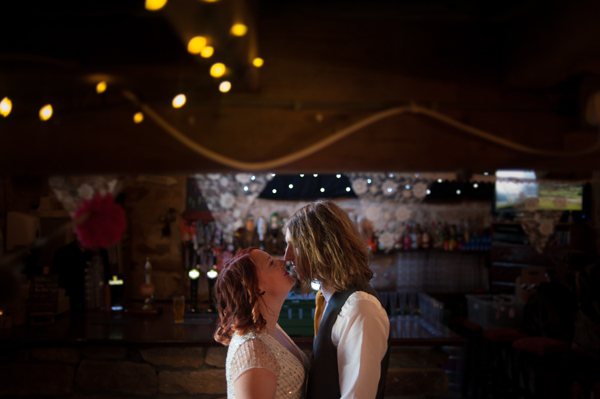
x,y
130,328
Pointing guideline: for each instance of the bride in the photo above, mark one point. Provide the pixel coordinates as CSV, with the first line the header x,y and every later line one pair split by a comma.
x,y
262,361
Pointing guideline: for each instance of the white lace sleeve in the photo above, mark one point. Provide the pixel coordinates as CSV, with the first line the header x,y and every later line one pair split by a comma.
x,y
253,353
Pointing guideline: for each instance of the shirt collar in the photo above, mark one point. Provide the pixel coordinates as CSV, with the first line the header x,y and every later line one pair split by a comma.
x,y
327,292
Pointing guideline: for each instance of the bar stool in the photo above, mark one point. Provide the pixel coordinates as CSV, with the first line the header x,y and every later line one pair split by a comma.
x,y
499,362
472,377
543,359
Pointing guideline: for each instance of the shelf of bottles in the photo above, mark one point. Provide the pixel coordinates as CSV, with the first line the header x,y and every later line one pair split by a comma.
x,y
439,258
206,247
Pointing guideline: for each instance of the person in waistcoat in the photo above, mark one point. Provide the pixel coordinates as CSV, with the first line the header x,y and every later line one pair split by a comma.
x,y
351,344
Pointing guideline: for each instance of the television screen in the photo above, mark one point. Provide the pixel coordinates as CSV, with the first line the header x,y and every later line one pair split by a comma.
x,y
513,187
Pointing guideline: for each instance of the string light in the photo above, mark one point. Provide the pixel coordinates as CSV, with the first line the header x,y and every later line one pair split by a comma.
x,y
101,87
315,175
225,86
291,186
138,117
155,5
457,192
207,52
428,191
301,174
475,185
179,101
5,106
258,62
348,189
217,70
338,176
196,44
274,191
322,190
239,29
46,112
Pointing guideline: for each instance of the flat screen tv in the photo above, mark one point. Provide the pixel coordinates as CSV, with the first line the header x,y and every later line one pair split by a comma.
x,y
513,187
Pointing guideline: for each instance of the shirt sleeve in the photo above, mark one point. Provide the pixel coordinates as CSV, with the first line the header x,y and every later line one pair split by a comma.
x,y
253,353
360,334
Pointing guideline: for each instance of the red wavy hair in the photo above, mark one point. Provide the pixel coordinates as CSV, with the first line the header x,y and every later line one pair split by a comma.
x,y
237,294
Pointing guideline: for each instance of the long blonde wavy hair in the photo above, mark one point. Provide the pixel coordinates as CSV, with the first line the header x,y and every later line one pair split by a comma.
x,y
329,247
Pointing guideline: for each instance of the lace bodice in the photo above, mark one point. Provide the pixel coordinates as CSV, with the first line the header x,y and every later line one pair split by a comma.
x,y
261,350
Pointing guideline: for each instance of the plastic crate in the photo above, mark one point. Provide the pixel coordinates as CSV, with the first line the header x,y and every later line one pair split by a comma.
x,y
297,317
495,310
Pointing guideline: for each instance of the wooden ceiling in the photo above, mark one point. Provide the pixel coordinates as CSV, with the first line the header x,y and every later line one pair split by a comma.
x,y
521,70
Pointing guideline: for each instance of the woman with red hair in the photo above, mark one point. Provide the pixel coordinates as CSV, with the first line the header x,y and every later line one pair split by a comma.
x,y
262,361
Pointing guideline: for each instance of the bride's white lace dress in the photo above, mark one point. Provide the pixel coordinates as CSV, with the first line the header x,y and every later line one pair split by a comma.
x,y
261,350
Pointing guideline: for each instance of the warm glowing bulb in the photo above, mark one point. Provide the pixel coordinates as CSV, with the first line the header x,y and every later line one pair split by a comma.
x,y
239,29
101,87
178,101
258,62
154,5
46,112
224,87
5,106
207,52
212,274
138,117
196,44
217,70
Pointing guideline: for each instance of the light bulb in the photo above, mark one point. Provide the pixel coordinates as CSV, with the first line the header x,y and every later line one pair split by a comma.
x,y
258,62
5,106
154,5
101,87
217,70
46,112
138,117
207,52
179,101
196,44
224,87
239,29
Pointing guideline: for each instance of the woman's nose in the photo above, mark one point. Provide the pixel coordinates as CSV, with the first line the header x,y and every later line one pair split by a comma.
x,y
289,254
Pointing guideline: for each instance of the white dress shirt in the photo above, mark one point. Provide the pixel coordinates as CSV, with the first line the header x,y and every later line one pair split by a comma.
x,y
360,334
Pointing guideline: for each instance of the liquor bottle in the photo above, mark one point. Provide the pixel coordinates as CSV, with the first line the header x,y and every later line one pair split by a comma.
x,y
371,242
414,242
445,236
262,232
452,239
274,233
419,236
249,240
406,238
426,241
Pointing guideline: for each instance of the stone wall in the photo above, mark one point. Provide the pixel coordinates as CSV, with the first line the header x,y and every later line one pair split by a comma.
x,y
174,372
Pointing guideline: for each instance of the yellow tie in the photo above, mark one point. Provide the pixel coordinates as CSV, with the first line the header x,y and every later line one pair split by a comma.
x,y
320,300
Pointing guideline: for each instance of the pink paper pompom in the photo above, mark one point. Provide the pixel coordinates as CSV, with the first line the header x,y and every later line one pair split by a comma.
x,y
104,226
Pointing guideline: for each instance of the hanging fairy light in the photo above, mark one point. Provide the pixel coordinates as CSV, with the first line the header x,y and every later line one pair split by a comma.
x,y
239,29
207,52
155,5
46,112
138,117
258,62
101,87
196,44
225,86
179,101
5,106
217,70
